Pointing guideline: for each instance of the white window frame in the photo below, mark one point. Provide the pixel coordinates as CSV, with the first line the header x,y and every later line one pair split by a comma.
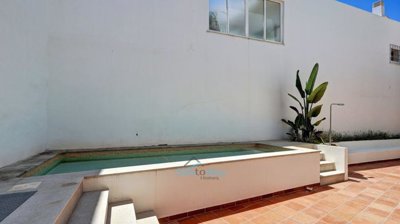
x,y
247,22
395,47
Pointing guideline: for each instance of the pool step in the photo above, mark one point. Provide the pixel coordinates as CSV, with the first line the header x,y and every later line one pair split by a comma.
x,y
331,177
328,172
321,156
148,217
326,166
91,208
121,213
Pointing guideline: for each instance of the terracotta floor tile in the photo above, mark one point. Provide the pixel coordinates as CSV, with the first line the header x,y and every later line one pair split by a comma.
x,y
368,215
395,215
219,221
268,218
284,211
333,220
391,221
325,205
288,221
303,218
295,206
234,219
377,212
249,214
361,220
345,212
316,213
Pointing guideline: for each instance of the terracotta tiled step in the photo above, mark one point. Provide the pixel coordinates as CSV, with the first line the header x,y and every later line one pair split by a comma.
x,y
331,177
148,217
121,213
326,166
91,208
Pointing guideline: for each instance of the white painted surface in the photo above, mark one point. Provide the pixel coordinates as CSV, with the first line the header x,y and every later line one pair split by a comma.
x,y
122,214
168,193
150,67
23,79
371,151
336,154
126,67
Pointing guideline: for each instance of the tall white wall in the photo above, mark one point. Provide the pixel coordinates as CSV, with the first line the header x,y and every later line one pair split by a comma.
x,y
150,67
352,47
134,72
23,85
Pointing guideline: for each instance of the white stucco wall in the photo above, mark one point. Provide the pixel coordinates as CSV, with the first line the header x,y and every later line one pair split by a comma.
x,y
352,47
150,67
23,84
126,67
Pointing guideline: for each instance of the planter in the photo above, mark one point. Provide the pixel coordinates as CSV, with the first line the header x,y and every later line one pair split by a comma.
x,y
372,150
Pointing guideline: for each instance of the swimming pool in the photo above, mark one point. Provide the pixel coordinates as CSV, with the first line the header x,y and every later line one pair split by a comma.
x,y
69,162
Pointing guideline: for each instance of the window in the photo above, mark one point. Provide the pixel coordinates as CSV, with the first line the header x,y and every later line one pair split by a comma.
x,y
256,18
394,54
259,19
218,16
273,21
237,17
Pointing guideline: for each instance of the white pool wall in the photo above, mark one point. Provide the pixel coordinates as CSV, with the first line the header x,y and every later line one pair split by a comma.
x,y
161,189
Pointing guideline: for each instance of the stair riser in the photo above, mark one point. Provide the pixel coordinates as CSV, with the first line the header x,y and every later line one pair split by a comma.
x,y
327,167
332,179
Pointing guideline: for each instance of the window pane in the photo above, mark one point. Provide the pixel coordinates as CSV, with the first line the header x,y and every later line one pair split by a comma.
x,y
273,31
395,55
217,15
237,17
256,18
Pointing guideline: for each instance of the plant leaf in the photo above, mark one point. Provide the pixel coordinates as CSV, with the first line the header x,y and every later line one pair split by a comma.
x,y
299,121
293,97
318,93
311,79
299,86
314,112
319,122
295,109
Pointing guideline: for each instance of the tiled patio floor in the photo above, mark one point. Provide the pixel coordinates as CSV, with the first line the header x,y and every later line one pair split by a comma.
x,y
372,195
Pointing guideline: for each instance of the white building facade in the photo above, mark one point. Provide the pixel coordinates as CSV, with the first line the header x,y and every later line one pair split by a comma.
x,y
88,74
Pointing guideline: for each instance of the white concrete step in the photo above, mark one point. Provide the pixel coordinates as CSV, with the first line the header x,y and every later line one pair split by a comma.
x,y
321,156
331,177
148,217
91,208
121,213
326,166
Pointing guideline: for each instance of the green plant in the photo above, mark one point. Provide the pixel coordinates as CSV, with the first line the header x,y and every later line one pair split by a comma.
x,y
361,135
302,128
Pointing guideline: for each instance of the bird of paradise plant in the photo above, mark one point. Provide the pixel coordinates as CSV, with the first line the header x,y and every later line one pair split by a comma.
x,y
303,128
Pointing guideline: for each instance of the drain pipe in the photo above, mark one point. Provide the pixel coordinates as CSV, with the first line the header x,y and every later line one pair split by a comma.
x,y
330,120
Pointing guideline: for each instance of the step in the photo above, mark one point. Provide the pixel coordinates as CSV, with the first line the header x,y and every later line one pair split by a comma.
x,y
148,217
91,208
326,166
331,177
121,213
321,156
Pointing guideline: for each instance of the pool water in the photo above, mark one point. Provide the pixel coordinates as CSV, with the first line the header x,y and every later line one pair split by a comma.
x,y
94,160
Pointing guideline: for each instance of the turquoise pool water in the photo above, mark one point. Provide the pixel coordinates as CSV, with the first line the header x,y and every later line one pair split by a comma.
x,y
143,159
